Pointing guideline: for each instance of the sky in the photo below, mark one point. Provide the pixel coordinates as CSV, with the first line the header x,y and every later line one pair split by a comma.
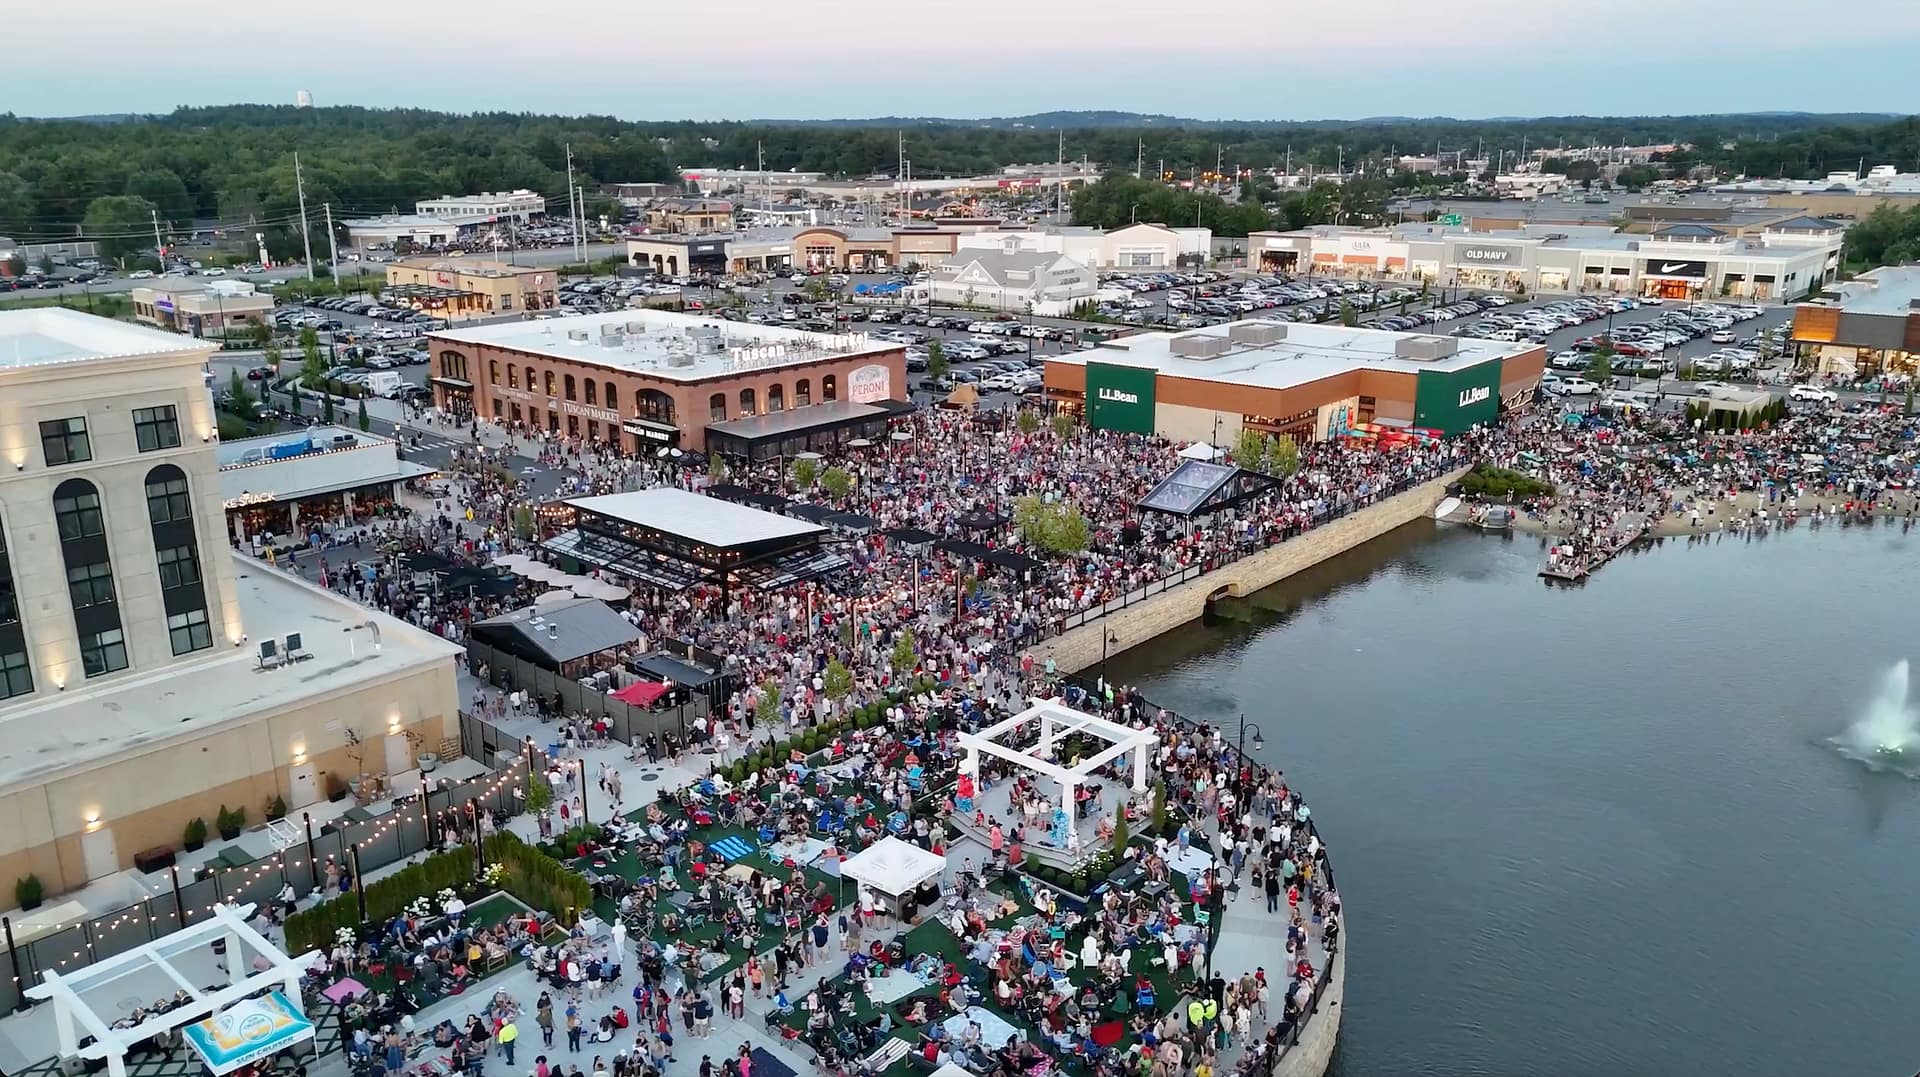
x,y
818,59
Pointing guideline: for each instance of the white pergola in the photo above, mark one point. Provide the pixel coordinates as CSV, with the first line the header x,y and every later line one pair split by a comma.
x,y
1058,721
72,1013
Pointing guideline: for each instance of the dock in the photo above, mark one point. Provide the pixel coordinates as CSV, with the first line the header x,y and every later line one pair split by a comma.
x,y
1630,528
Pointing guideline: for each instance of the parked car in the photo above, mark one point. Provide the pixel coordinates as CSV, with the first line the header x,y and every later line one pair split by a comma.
x,y
1813,393
1577,387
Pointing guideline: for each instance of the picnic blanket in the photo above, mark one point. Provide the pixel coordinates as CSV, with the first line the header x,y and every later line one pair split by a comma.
x,y
894,986
994,1029
800,850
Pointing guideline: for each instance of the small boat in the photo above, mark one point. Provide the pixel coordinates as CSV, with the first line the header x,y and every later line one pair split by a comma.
x,y
1445,508
1491,517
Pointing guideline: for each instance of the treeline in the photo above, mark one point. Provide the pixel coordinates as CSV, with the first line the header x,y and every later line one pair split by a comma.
x,y
235,164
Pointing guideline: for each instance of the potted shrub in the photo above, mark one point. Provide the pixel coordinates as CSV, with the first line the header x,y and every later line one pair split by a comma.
x,y
196,835
28,892
336,788
276,808
230,822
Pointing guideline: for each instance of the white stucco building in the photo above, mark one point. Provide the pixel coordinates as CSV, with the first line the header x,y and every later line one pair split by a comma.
x,y
1135,246
1016,282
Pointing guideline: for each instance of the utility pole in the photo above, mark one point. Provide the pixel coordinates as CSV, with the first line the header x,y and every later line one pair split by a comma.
x,y
333,251
159,248
1139,158
900,173
1059,170
306,237
577,255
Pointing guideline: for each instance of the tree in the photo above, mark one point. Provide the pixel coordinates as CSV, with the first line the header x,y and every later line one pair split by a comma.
x,y
804,472
1120,836
1348,316
120,223
46,265
326,409
816,289
767,708
1282,457
716,468
936,358
1908,410
163,189
836,482
904,658
1600,367
1063,425
1160,806
1056,526
16,201
313,365
1250,449
523,523
240,402
361,419
1027,421
836,682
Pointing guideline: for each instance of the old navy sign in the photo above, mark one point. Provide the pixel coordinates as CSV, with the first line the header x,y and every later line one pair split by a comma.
x,y
1470,397
1486,255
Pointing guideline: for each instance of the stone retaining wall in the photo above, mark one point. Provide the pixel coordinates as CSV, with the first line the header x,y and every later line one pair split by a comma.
x,y
1079,648
1311,1056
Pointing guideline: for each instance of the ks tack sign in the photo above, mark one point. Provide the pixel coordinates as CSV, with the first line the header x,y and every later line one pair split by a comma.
x,y
1120,398
1453,401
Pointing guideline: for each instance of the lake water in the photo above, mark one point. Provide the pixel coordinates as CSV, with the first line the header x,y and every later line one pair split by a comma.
x,y
1593,830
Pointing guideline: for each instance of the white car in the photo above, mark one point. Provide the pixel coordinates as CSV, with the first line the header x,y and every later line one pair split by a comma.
x,y
1577,387
140,274
1722,336
1813,393
1570,360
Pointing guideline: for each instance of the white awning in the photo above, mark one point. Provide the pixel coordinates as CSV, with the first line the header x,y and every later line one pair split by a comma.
x,y
892,866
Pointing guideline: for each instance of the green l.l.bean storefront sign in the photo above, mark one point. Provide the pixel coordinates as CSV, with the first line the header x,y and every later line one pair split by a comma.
x,y
1453,401
1120,398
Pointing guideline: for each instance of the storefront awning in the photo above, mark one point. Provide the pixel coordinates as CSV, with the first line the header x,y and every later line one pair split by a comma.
x,y
457,383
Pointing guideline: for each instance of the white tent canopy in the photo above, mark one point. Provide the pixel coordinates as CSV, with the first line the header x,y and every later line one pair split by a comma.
x,y
892,866
1200,450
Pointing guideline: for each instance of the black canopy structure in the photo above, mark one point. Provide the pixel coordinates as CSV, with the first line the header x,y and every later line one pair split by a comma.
x,y
452,577
675,539
909,536
980,521
1018,563
822,427
770,502
727,491
850,521
815,513
552,635
962,548
1198,487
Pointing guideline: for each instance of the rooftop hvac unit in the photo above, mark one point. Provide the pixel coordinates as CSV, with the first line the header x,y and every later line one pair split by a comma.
x,y
577,334
1257,334
1200,346
634,329
679,353
553,631
610,336
1425,348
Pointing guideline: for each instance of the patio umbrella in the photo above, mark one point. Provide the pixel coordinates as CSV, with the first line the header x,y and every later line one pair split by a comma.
x,y
513,562
808,456
551,597
542,572
602,590
860,443
900,435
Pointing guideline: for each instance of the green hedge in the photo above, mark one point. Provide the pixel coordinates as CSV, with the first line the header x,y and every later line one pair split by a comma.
x,y
314,928
538,880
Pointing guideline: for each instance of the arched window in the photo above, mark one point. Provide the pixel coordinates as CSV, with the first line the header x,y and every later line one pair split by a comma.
x,y
493,372
776,399
568,384
83,548
16,669
747,403
717,408
453,365
802,393
658,406
549,383
829,387
593,392
176,549
611,396
513,378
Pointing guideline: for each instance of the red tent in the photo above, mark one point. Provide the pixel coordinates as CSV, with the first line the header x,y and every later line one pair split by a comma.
x,y
641,693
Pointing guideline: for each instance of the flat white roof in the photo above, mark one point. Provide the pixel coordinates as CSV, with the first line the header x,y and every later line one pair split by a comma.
x,y
369,460
1887,290
93,724
666,344
1308,354
706,520
42,336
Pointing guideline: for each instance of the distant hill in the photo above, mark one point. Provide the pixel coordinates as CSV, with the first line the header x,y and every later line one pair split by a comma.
x,y
1106,118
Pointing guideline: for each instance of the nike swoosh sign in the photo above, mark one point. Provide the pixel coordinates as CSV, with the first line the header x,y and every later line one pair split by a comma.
x,y
1668,267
